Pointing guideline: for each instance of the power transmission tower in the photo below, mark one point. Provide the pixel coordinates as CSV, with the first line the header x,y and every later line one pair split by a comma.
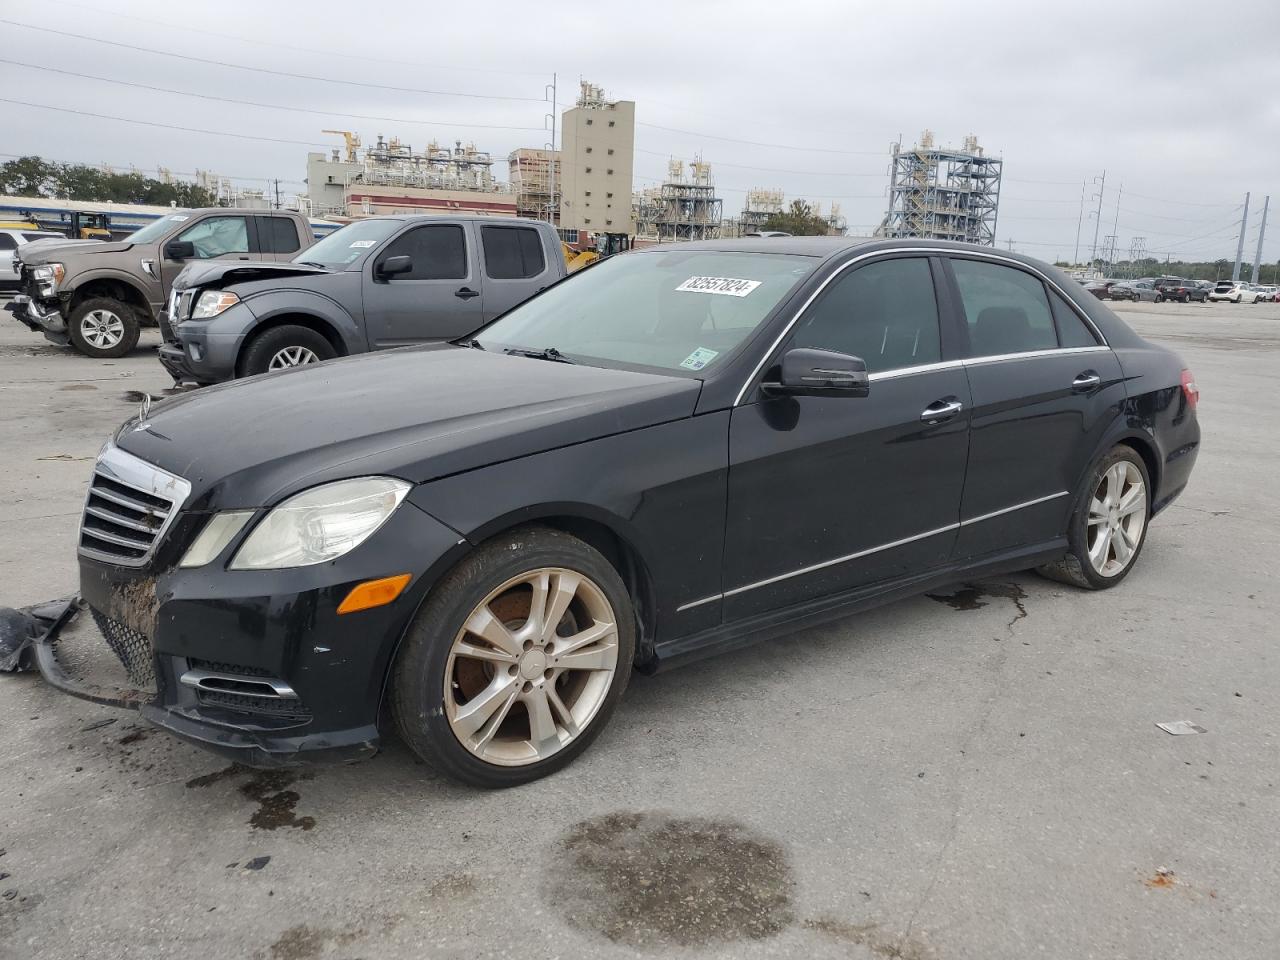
x,y
1075,257
1256,277
1244,222
1137,253
1109,251
1102,187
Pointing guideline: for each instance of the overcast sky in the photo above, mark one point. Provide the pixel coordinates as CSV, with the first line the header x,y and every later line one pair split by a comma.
x,y
1177,101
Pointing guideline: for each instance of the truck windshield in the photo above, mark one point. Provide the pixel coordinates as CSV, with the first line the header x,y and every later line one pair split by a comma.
x,y
679,312
156,229
349,244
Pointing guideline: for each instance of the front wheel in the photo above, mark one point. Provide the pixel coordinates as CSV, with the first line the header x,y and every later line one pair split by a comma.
x,y
516,661
103,328
279,348
1108,524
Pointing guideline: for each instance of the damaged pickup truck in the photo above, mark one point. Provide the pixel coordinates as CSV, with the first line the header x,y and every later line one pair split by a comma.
x,y
97,296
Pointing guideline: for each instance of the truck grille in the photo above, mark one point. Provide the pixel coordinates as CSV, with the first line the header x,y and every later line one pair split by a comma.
x,y
129,507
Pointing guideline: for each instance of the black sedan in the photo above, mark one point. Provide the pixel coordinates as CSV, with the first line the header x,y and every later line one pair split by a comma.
x,y
674,453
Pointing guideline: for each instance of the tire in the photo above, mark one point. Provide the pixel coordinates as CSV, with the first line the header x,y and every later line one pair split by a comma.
x,y
103,328
271,349
1159,298
492,589
1078,567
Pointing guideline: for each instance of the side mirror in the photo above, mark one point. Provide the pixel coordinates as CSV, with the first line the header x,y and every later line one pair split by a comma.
x,y
179,250
394,266
820,373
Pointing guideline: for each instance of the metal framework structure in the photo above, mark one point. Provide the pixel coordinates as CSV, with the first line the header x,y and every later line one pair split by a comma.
x,y
535,178
683,208
943,194
392,163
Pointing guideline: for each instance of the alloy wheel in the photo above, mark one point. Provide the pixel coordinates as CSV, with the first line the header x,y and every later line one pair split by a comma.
x,y
1117,516
101,329
292,357
531,667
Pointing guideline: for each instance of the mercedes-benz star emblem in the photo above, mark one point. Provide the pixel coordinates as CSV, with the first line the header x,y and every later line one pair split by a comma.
x,y
144,410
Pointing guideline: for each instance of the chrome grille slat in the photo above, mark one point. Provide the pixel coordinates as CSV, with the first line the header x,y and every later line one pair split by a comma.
x,y
121,519
128,509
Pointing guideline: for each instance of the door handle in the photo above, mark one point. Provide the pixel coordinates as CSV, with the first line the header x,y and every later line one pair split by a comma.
x,y
941,410
466,293
1084,382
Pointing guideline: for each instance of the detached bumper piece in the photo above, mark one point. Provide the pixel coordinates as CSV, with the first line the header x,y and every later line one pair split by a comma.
x,y
40,318
97,659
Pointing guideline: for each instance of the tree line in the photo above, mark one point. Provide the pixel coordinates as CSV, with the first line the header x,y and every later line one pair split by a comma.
x,y
1186,269
37,177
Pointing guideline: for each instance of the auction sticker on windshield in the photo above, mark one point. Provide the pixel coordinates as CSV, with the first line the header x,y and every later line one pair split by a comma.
x,y
361,244
725,286
699,358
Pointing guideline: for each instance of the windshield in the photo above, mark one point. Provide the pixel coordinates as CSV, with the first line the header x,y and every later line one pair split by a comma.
x,y
349,244
156,229
682,311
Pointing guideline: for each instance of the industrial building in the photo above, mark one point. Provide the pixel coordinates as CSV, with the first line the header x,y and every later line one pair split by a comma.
x,y
684,207
943,194
392,178
597,157
536,181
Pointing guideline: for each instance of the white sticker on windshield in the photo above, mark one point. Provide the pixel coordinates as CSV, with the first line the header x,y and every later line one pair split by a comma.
x,y
725,286
361,244
179,219
700,357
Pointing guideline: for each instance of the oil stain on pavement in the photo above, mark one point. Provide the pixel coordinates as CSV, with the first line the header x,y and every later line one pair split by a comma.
x,y
970,597
650,880
276,804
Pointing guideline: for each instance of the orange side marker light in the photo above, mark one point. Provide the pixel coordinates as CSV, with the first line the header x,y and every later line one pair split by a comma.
x,y
374,593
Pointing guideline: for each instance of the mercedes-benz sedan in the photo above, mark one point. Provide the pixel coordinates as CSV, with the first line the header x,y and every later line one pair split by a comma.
x,y
673,453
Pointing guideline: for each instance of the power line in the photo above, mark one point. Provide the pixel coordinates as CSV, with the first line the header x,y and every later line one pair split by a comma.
x,y
188,58
757,143
743,166
203,31
163,126
254,103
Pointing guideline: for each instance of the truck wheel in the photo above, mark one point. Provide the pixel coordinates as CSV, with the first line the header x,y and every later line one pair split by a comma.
x,y
283,347
103,328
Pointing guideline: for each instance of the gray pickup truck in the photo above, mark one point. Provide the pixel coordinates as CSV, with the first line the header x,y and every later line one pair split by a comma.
x,y
377,283
98,295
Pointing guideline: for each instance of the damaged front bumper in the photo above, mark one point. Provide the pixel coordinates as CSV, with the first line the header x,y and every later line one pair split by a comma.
x,y
256,665
42,316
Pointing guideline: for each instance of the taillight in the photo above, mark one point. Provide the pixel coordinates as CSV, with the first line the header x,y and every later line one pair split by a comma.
x,y
1189,388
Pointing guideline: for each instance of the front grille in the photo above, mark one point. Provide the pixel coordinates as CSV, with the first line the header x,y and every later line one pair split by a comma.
x,y
253,690
130,505
131,648
260,706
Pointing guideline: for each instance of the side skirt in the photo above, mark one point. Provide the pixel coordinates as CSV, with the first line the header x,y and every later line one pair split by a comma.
x,y
777,623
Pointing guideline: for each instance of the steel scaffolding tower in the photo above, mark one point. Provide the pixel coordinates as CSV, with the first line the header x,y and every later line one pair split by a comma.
x,y
943,194
685,208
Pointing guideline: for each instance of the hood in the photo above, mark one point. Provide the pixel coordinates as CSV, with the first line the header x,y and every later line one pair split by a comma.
x,y
418,413
43,251
199,273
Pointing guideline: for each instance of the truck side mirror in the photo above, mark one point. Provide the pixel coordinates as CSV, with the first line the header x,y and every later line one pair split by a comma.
x,y
394,266
179,250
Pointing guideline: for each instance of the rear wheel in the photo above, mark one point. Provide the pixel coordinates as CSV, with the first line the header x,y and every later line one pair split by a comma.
x,y
516,661
279,348
103,328
1108,524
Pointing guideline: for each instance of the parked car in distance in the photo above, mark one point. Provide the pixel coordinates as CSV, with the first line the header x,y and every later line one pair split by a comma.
x,y
1183,291
1234,291
377,283
1268,293
11,238
97,295
1101,288
673,453
767,233
1135,290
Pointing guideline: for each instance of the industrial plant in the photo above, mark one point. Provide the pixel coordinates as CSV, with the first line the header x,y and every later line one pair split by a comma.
x,y
943,194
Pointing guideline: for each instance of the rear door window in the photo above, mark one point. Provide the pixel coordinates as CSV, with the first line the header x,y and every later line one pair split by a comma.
x,y
277,235
439,252
1006,309
884,313
1072,331
512,253
7,242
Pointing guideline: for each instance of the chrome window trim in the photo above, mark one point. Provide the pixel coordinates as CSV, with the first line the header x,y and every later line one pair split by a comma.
x,y
870,550
945,364
130,471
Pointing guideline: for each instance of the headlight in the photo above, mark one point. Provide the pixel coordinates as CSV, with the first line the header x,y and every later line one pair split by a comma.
x,y
320,524
213,302
49,275
215,536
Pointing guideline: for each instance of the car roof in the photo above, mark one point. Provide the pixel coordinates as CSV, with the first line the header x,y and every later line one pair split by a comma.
x,y
428,217
826,247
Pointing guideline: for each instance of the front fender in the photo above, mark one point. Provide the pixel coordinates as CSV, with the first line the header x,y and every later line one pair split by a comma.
x,y
275,304
68,290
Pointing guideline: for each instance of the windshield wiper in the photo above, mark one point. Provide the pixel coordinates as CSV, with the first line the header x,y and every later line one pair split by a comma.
x,y
311,263
550,353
